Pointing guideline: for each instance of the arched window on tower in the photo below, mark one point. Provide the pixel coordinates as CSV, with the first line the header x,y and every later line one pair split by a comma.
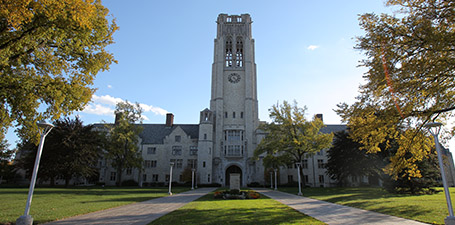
x,y
229,52
239,53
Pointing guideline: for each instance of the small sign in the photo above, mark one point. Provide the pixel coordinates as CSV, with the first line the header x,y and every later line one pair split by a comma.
x,y
234,181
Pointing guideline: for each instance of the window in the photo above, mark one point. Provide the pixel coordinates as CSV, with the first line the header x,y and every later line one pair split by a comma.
x,y
177,163
176,150
155,177
320,163
167,177
193,150
147,164
229,52
178,138
205,136
320,152
151,150
305,164
144,177
290,180
153,163
129,171
229,19
225,115
239,53
233,114
203,164
241,115
321,179
208,178
233,150
305,177
180,178
113,176
192,163
290,166
233,135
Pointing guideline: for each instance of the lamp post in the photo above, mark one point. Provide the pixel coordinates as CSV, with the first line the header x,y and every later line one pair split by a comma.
x,y
434,129
192,179
27,218
298,175
276,186
170,179
271,180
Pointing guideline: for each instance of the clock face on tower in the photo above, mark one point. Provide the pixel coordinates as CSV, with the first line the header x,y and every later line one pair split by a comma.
x,y
234,78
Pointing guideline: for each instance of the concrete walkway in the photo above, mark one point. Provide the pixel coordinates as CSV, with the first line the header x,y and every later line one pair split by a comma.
x,y
333,213
137,213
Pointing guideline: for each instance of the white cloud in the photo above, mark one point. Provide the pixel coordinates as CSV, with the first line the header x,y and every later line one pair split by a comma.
x,y
98,109
106,99
105,105
156,110
109,86
313,47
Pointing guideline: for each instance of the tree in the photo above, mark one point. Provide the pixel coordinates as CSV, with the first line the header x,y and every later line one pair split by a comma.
x,y
290,136
6,167
410,81
123,137
346,159
50,53
70,150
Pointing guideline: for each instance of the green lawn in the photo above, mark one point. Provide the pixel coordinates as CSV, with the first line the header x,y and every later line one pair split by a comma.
x,y
207,210
50,204
424,208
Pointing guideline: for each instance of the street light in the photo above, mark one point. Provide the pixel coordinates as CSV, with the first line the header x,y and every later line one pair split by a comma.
x,y
434,129
170,179
192,178
275,179
298,175
27,218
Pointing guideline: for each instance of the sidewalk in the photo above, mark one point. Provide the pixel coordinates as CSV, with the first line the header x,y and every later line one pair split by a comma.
x,y
331,213
137,213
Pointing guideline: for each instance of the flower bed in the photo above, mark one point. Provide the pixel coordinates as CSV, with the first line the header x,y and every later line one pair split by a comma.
x,y
236,194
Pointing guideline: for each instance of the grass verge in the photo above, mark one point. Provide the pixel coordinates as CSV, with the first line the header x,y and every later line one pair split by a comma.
x,y
49,204
207,210
424,208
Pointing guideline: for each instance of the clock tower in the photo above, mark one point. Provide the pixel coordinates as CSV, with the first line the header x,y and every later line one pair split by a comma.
x,y
233,103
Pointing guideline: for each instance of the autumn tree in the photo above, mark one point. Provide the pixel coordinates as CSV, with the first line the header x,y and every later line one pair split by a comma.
x,y
50,53
290,137
410,81
123,137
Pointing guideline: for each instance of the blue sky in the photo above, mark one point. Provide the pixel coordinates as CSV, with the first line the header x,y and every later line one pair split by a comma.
x,y
304,52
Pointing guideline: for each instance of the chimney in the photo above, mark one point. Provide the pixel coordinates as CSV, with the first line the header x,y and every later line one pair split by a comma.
x,y
169,120
319,116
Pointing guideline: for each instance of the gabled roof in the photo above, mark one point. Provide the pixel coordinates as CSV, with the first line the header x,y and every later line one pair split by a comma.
x,y
155,133
333,128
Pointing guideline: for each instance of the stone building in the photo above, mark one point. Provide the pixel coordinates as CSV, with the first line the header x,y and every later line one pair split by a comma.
x,y
225,139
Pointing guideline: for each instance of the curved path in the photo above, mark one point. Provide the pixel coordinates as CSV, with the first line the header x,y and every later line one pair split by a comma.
x,y
137,213
331,213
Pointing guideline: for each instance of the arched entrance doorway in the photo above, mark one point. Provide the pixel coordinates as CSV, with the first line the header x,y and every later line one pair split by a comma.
x,y
233,169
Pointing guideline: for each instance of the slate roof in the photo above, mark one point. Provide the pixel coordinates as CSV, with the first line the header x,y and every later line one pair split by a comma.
x,y
155,133
333,128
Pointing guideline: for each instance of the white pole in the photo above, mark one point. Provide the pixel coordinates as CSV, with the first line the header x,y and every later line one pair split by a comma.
x,y
192,179
443,175
170,179
298,175
271,180
26,218
276,186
